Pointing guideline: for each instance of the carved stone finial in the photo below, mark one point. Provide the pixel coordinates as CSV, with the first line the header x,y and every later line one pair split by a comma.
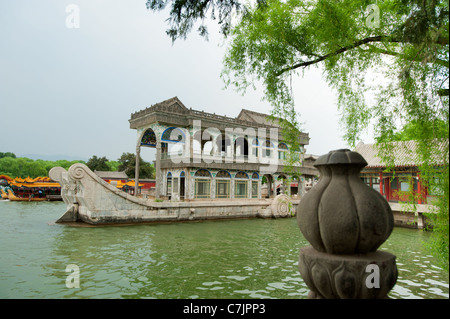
x,y
345,221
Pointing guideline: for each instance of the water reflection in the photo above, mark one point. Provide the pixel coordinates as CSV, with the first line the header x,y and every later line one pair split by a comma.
x,y
227,259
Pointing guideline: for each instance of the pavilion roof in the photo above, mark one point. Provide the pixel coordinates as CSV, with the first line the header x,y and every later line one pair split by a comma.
x,y
404,153
111,175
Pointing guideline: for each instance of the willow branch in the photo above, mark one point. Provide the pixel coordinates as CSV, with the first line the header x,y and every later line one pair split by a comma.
x,y
339,51
414,59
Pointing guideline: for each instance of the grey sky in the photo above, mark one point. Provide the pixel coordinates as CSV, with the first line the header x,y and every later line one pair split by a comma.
x,y
71,91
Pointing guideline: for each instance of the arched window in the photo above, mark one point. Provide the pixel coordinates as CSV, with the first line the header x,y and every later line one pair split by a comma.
x,y
241,175
173,134
241,185
281,184
202,187
202,173
223,184
197,142
295,185
182,186
255,147
282,151
173,139
223,174
202,142
241,147
222,143
149,138
267,148
169,184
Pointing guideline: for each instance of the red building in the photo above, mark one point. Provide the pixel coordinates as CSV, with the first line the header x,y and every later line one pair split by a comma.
x,y
396,185
121,180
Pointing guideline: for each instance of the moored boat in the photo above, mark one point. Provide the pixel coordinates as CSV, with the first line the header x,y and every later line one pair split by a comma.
x,y
30,189
31,197
3,194
4,185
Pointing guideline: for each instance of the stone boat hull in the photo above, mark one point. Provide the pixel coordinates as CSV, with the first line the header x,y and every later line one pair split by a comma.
x,y
91,200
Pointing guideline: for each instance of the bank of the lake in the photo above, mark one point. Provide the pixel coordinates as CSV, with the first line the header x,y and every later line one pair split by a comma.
x,y
254,258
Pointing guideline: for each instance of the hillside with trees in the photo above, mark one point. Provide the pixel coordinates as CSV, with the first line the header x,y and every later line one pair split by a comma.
x,y
23,167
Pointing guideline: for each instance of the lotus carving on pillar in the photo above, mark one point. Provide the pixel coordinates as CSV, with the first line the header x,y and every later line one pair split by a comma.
x,y
345,221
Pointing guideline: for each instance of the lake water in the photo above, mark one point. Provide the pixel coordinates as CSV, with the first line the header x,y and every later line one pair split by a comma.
x,y
254,258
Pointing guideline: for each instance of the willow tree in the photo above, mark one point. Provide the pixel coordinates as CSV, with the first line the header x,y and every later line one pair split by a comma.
x,y
396,52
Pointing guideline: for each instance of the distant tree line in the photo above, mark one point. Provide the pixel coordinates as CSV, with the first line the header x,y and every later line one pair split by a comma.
x,y
7,154
23,167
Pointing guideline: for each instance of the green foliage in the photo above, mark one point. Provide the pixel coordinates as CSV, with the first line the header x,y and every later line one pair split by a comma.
x,y
24,167
7,154
439,242
185,13
113,166
413,129
128,165
98,163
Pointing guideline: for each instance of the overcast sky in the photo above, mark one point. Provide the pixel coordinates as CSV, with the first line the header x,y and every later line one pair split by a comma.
x,y
71,91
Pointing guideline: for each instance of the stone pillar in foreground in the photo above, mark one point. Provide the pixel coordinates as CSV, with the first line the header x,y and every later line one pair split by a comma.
x,y
345,222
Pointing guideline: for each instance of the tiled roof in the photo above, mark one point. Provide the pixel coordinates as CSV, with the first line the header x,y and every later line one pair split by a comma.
x,y
111,175
405,153
257,117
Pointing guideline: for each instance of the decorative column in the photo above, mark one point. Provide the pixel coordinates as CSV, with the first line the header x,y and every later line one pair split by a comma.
x,y
381,183
270,185
345,221
232,185
259,187
419,190
158,170
212,195
136,174
387,188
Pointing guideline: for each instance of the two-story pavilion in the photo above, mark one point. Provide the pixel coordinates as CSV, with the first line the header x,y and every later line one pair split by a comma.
x,y
200,155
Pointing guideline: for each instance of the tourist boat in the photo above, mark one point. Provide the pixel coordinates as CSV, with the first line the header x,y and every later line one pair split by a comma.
x,y
37,189
3,194
4,185
13,197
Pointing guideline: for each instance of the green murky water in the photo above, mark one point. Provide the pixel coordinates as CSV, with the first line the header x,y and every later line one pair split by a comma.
x,y
228,259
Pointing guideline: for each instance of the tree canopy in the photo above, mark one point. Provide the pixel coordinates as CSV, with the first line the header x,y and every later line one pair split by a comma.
x,y
24,167
98,163
404,42
127,163
7,154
